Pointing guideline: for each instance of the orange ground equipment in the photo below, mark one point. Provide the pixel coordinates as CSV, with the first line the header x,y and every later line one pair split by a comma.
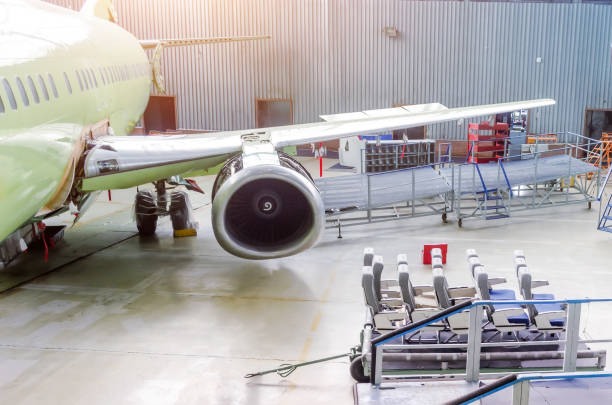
x,y
601,155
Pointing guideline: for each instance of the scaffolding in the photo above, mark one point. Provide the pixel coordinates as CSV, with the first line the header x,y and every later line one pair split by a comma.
x,y
559,174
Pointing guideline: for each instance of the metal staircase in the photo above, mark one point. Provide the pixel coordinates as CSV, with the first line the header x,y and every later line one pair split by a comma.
x,y
492,202
605,221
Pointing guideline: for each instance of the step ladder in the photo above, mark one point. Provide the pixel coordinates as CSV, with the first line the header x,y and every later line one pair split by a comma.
x,y
605,222
491,204
601,155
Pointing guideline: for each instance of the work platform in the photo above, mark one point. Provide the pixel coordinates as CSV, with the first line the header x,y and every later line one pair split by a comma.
x,y
466,179
538,179
363,191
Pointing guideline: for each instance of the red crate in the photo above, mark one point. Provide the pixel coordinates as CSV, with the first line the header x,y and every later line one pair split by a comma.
x,y
427,252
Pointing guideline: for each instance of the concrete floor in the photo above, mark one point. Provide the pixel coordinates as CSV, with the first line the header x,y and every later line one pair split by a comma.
x,y
164,320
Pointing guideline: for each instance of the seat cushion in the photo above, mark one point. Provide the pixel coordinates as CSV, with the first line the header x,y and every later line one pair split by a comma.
x,y
521,319
499,294
559,323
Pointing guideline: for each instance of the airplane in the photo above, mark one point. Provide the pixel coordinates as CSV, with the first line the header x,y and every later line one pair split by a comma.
x,y
74,83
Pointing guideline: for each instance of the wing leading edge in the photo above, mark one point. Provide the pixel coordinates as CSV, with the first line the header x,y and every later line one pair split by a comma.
x,y
121,162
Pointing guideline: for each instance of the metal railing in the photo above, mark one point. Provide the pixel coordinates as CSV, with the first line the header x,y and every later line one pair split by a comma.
x,y
464,198
375,348
521,386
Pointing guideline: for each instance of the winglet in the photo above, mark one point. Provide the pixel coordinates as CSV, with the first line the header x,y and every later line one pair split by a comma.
x,y
100,8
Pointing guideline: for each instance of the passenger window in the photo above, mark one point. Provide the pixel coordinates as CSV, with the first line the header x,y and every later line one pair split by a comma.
x,y
10,94
33,89
22,90
43,86
1,106
78,75
101,71
92,77
53,87
85,79
68,85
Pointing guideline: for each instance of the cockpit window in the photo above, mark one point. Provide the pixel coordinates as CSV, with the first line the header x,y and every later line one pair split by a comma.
x,y
22,91
10,94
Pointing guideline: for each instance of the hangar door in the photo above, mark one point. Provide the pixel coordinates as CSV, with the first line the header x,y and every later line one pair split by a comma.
x,y
597,121
273,112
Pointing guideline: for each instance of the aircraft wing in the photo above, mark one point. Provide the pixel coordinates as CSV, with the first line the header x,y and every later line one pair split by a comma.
x,y
122,162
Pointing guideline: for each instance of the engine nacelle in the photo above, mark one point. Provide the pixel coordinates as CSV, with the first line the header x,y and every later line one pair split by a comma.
x,y
265,205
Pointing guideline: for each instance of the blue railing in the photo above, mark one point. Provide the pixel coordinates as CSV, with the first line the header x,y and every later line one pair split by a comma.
x,y
572,327
478,395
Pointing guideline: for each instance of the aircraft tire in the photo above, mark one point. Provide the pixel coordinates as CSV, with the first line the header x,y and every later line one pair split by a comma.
x,y
146,213
179,210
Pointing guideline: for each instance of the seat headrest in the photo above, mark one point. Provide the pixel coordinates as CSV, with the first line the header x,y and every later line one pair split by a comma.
x,y
481,279
519,263
402,258
367,283
403,278
519,253
368,256
378,266
524,279
440,286
470,253
473,262
436,252
436,263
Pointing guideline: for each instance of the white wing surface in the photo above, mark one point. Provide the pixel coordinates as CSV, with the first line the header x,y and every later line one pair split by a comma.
x,y
120,162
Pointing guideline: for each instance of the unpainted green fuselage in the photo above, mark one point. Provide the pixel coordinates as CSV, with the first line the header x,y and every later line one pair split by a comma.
x,y
42,138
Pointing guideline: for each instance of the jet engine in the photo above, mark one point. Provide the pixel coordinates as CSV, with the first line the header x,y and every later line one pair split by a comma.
x,y
265,205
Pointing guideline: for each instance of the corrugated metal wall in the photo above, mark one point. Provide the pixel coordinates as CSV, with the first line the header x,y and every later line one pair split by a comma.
x,y
331,56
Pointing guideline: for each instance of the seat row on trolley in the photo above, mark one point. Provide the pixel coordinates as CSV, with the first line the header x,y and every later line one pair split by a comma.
x,y
397,302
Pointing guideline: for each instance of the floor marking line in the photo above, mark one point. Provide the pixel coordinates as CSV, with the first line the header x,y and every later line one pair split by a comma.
x,y
305,350
315,322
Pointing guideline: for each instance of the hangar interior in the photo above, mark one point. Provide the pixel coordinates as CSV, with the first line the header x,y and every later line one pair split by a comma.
x,y
419,290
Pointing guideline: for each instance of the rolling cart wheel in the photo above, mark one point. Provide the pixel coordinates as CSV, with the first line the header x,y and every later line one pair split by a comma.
x,y
357,371
444,218
460,222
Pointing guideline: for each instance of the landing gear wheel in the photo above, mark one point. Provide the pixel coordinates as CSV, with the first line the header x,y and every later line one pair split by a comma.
x,y
589,205
146,213
357,371
444,218
179,210
460,222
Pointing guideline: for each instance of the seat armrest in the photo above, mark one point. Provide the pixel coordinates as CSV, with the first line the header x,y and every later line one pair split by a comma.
x,y
390,283
391,294
460,300
497,280
461,292
539,283
392,302
421,289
